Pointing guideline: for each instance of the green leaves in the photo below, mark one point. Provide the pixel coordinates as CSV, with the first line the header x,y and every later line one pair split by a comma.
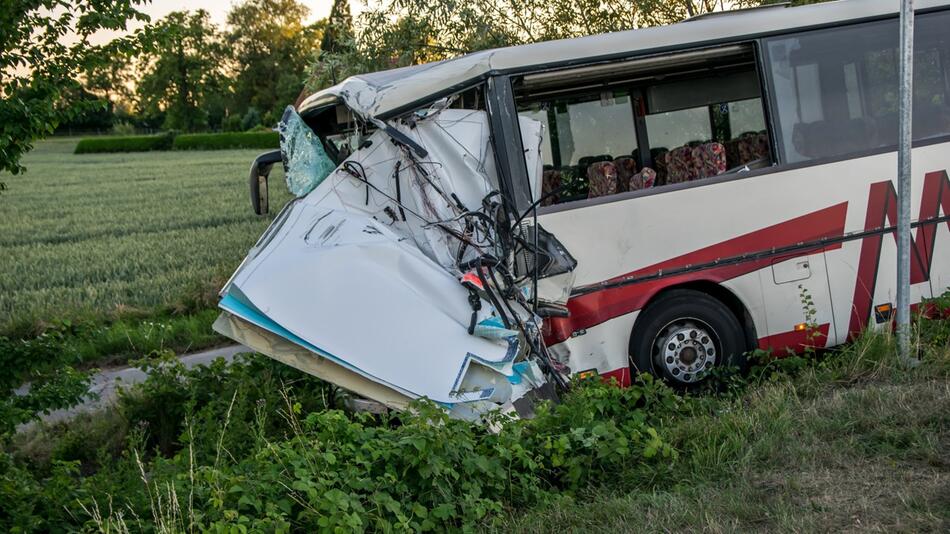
x,y
183,72
45,47
311,467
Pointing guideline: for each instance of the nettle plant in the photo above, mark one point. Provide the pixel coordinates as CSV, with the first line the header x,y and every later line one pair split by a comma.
x,y
767,365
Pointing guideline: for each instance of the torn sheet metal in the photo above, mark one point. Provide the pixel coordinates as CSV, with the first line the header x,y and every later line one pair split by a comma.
x,y
364,271
290,353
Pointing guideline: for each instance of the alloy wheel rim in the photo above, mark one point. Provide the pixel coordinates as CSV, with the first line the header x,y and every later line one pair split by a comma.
x,y
686,349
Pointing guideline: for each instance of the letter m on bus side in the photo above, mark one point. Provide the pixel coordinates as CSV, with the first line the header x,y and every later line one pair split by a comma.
x,y
882,215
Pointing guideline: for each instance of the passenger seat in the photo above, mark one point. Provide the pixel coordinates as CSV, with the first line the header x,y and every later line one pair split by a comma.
x,y
629,178
602,179
679,165
550,182
709,159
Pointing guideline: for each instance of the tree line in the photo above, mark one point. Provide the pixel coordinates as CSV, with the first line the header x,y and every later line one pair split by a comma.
x,y
186,73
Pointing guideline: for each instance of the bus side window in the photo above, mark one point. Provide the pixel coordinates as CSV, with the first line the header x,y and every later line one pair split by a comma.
x,y
708,125
588,145
641,123
836,89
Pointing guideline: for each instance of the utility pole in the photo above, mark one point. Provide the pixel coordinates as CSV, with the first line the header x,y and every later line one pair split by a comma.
x,y
904,178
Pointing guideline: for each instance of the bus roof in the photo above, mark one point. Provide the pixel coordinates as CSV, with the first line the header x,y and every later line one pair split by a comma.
x,y
386,93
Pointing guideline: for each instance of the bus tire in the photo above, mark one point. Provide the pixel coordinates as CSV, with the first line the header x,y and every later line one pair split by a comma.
x,y
683,335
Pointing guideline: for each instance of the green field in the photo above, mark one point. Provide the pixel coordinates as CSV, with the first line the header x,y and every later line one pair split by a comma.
x,y
101,235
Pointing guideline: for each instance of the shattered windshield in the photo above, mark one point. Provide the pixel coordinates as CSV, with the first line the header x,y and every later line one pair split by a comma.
x,y
306,162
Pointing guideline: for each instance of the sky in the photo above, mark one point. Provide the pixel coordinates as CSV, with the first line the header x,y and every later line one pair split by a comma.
x,y
218,9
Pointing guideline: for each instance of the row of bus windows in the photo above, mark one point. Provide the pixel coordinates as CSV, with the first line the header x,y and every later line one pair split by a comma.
x,y
592,143
835,92
604,123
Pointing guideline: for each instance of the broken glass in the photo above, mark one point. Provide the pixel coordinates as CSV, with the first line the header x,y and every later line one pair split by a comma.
x,y
305,161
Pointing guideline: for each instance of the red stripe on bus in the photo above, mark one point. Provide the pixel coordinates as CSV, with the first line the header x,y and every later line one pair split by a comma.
x,y
594,308
796,340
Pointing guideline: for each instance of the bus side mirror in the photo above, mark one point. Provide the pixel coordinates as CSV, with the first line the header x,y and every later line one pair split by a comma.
x,y
257,181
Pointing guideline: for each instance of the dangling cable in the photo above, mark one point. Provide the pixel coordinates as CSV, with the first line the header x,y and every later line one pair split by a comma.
x,y
399,190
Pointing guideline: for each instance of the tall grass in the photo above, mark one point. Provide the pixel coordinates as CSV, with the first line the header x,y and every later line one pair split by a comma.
x,y
854,439
851,439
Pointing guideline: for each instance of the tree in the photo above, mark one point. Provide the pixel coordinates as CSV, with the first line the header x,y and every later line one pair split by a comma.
x,y
271,48
397,33
405,32
338,35
183,77
45,45
111,79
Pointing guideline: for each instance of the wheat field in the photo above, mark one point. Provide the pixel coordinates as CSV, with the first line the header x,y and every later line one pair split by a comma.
x,y
90,235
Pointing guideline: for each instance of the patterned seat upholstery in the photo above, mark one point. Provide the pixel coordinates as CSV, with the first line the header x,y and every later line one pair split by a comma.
x,y
709,159
629,179
659,164
732,153
550,181
680,166
626,168
753,146
602,179
644,179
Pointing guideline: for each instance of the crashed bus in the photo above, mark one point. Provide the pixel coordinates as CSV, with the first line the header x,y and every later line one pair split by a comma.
x,y
478,230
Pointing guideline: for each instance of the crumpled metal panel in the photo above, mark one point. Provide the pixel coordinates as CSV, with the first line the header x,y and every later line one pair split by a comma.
x,y
363,271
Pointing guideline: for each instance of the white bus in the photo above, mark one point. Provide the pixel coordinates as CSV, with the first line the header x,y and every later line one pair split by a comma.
x,y
706,176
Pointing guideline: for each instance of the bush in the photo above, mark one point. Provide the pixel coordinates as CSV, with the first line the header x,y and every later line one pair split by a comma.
x,y
123,128
231,124
227,140
261,444
132,143
265,139
251,119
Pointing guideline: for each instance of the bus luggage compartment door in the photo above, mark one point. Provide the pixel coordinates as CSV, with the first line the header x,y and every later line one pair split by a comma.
x,y
797,304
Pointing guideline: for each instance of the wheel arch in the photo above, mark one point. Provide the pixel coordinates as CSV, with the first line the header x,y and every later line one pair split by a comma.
x,y
716,291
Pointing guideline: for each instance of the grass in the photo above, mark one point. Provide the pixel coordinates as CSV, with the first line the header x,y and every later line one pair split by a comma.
x,y
869,458
851,440
859,444
102,236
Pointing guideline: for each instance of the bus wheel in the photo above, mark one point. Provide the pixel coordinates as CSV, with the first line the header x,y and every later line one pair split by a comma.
x,y
685,334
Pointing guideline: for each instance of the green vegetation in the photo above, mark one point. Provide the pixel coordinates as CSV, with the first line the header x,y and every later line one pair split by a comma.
x,y
218,141
39,89
131,143
110,257
144,237
850,439
170,141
